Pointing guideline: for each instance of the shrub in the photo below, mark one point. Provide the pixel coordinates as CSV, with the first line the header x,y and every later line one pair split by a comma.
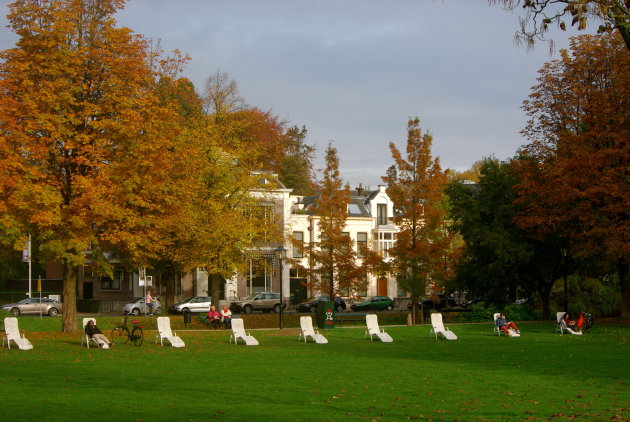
x,y
478,312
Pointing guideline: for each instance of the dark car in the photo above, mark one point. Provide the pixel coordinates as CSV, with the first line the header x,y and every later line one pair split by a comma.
x,y
377,303
311,306
443,302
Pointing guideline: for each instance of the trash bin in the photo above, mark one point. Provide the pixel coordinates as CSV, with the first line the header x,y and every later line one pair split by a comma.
x,y
325,315
186,318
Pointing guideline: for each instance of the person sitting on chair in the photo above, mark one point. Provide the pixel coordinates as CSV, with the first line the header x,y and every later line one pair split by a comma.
x,y
504,325
567,321
94,333
226,317
214,317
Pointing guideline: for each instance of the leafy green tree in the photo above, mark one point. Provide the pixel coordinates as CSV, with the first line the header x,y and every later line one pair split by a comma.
x,y
500,260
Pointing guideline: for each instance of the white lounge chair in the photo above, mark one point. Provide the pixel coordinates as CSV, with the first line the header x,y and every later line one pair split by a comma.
x,y
12,333
438,328
498,330
374,330
562,326
238,332
84,337
165,333
306,323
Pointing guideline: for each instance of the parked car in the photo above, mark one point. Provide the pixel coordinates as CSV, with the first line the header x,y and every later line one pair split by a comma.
x,y
192,304
137,306
34,305
441,303
263,301
375,302
311,306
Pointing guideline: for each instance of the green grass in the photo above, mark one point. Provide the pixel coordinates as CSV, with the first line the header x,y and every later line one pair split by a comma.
x,y
539,376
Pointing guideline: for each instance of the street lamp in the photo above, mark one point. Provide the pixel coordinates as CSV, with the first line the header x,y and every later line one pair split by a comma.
x,y
281,253
564,255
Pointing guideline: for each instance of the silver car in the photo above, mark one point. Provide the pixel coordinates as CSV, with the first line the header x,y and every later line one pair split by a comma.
x,y
138,306
263,301
192,304
34,305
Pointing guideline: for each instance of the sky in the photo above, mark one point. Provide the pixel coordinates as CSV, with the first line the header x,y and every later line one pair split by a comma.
x,y
354,71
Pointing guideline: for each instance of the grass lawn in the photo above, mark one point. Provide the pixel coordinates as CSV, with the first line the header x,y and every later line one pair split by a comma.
x,y
539,376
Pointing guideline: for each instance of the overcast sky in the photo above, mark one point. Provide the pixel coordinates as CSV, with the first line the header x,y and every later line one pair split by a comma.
x,y
353,71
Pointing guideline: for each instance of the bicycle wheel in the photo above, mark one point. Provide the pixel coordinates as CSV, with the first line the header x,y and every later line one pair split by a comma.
x,y
120,335
137,336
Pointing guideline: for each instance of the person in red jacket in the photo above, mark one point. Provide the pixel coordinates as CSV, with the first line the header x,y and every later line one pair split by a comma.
x,y
214,317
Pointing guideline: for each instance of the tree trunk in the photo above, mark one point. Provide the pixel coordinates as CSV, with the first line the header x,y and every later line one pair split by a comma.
x,y
69,314
544,293
169,275
215,289
624,286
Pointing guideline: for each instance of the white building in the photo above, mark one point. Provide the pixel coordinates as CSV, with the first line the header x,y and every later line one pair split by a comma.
x,y
368,225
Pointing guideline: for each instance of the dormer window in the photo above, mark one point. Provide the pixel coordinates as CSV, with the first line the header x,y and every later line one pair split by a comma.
x,y
381,214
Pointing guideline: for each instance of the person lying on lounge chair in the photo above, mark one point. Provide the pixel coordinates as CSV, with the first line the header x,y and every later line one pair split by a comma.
x,y
504,325
569,323
95,333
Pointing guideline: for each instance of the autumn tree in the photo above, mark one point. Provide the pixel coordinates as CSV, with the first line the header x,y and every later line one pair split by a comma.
x,y
221,96
415,184
574,171
541,14
90,157
333,259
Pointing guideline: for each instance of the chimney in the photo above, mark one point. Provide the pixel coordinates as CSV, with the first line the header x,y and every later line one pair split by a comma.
x,y
360,189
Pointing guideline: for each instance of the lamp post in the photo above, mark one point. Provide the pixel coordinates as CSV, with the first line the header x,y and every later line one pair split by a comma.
x,y
281,253
564,270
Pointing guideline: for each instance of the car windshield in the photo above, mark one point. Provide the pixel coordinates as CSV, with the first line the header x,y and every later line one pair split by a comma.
x,y
251,297
187,300
138,300
24,301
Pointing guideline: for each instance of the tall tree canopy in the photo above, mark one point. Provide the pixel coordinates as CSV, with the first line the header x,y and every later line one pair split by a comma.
x,y
90,157
333,258
574,172
500,260
415,184
540,14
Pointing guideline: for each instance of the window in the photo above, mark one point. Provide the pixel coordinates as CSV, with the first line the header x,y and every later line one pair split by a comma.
x,y
259,275
264,216
385,242
298,244
323,243
381,214
354,209
108,283
361,244
362,286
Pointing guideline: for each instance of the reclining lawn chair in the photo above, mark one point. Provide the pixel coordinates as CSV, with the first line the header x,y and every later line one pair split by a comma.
x,y
238,331
562,326
84,337
498,329
12,333
374,330
165,333
306,324
438,328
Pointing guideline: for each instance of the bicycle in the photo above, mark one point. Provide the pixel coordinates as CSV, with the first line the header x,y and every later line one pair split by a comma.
x,y
121,333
